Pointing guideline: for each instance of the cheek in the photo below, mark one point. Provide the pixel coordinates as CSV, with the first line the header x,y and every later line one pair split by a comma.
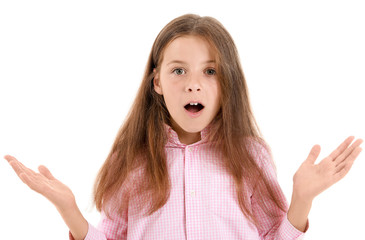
x,y
167,90
170,95
216,92
170,102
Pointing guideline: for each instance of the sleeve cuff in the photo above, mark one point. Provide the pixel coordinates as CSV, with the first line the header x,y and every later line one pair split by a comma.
x,y
288,231
92,234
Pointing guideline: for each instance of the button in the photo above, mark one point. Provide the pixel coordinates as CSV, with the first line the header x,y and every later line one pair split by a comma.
x,y
192,193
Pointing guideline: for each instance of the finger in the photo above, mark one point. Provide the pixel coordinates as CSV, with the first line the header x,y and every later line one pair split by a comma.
x,y
347,152
9,158
26,178
345,166
314,153
350,159
343,146
19,167
32,179
45,172
33,182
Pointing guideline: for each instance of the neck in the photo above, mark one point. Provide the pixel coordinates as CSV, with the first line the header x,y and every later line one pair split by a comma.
x,y
186,137
189,138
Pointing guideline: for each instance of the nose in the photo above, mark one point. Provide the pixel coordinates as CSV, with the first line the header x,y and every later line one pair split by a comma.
x,y
193,85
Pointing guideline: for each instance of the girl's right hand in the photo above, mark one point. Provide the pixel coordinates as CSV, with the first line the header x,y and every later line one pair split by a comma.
x,y
56,192
44,183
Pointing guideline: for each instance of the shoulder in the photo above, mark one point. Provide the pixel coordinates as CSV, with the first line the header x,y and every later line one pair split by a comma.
x,y
260,151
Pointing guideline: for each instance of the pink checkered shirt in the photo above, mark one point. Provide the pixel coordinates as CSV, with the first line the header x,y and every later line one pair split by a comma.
x,y
202,203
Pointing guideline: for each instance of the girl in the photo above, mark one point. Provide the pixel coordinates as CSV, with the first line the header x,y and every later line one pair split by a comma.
x,y
189,161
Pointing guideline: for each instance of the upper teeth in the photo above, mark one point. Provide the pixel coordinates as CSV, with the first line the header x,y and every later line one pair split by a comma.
x,y
193,103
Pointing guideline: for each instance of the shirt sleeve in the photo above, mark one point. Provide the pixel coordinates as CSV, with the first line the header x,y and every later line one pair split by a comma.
x,y
274,225
113,228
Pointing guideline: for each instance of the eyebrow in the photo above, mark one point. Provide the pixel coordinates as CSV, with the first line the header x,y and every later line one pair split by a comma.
x,y
182,62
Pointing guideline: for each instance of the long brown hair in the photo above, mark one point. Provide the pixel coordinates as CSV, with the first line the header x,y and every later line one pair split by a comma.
x,y
140,141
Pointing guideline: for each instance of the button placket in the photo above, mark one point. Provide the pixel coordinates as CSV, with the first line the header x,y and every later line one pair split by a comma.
x,y
192,193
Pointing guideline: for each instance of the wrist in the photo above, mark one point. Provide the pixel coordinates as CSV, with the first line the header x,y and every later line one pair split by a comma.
x,y
300,194
301,199
75,221
68,209
298,211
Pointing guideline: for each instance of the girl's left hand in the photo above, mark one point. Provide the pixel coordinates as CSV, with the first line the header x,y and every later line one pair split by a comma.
x,y
311,179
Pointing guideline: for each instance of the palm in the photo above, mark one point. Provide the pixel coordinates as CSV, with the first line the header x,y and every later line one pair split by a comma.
x,y
311,179
44,183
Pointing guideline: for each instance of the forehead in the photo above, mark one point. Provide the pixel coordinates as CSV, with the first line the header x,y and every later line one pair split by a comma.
x,y
189,48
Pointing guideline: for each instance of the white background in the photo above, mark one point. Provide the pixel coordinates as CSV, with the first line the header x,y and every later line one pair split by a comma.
x,y
69,71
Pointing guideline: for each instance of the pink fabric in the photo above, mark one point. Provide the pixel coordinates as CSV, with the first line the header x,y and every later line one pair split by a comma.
x,y
202,203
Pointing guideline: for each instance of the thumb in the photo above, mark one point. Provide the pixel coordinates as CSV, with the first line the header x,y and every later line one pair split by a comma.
x,y
313,155
45,172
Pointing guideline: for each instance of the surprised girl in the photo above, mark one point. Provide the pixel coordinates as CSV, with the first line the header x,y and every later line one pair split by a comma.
x,y
189,162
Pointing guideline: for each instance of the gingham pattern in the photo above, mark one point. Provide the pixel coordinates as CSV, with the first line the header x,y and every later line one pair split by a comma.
x,y
202,203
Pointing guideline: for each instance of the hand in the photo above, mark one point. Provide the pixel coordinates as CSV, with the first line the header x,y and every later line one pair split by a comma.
x,y
311,179
56,192
44,183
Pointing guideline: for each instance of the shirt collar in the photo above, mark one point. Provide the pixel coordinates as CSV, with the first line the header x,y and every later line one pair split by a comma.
x,y
173,138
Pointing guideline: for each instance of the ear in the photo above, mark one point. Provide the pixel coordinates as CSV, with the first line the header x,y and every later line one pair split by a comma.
x,y
156,83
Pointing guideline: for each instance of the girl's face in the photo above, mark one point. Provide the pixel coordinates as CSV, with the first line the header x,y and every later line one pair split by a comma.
x,y
189,84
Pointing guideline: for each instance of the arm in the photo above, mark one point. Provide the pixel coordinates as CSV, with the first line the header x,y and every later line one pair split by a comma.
x,y
272,223
311,179
56,192
113,228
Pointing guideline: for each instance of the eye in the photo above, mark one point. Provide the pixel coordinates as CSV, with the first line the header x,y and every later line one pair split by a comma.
x,y
210,71
178,71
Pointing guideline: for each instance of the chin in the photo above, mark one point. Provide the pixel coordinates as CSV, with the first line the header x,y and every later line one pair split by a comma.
x,y
193,129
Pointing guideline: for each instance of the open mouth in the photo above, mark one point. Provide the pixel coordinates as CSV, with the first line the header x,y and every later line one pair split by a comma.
x,y
194,107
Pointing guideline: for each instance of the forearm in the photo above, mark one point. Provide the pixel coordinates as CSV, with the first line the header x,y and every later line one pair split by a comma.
x,y
298,212
75,221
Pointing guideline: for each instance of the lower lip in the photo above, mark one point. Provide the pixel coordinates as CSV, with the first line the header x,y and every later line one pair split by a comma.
x,y
194,115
